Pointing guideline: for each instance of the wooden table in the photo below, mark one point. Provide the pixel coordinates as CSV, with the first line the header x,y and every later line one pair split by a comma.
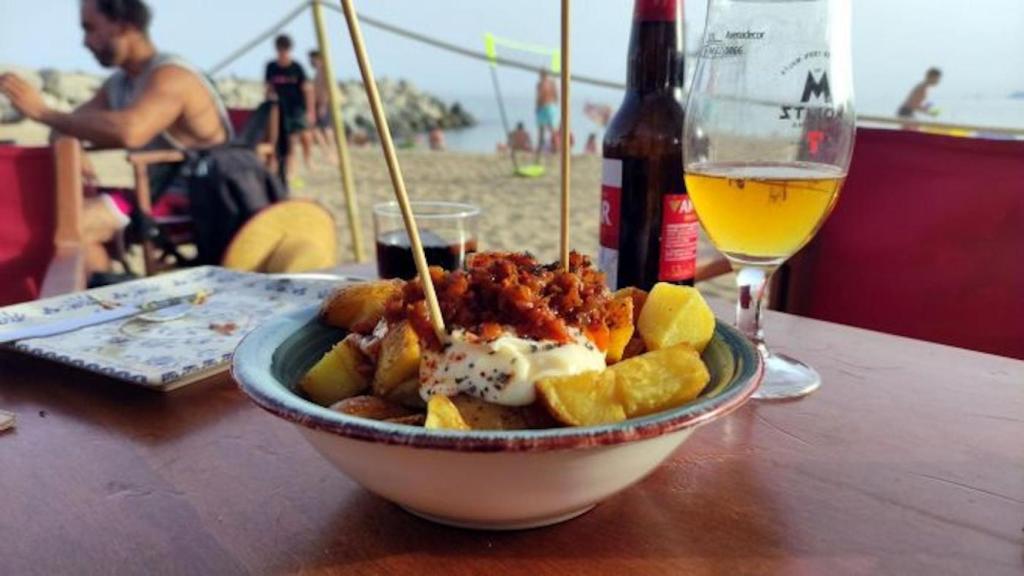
x,y
908,460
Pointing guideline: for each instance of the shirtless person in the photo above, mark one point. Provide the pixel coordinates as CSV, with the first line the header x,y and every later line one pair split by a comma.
x,y
916,100
323,131
519,139
547,109
153,101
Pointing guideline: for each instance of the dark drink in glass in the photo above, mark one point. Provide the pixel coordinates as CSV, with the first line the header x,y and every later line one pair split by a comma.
x,y
448,232
394,253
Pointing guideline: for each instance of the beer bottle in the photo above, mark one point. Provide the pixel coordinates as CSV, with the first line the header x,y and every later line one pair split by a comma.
x,y
648,225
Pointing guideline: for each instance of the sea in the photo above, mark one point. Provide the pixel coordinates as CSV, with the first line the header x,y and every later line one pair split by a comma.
x,y
1005,112
488,132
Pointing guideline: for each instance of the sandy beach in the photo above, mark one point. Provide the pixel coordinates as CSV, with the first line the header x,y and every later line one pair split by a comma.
x,y
518,213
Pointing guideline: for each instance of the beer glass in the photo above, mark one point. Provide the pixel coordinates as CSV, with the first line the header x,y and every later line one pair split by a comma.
x,y
767,142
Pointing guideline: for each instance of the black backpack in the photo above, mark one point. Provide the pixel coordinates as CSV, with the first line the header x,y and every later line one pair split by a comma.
x,y
226,186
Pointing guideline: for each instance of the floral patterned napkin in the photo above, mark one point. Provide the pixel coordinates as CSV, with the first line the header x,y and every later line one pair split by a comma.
x,y
166,355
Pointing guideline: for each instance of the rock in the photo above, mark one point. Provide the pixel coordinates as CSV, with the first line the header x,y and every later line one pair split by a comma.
x,y
73,88
410,110
241,93
8,114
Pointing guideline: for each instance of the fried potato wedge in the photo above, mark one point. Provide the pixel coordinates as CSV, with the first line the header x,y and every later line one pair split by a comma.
x,y
635,347
637,295
443,414
411,420
372,407
586,399
342,372
675,315
620,324
659,380
480,414
408,394
358,307
652,382
399,360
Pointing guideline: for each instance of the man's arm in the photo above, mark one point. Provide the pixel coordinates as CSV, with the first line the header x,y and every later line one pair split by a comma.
x,y
310,95
96,103
271,92
161,103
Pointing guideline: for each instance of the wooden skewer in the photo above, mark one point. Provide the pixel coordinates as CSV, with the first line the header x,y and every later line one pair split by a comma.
x,y
393,168
566,134
341,146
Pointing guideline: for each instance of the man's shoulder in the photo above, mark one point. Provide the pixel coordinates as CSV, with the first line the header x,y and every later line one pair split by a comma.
x,y
173,73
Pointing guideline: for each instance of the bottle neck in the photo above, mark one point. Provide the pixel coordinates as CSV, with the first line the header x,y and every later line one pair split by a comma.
x,y
656,46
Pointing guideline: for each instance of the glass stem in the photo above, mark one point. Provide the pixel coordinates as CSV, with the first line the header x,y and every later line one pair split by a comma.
x,y
752,282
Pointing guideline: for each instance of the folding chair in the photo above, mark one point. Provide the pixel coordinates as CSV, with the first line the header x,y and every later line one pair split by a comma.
x,y
41,251
257,129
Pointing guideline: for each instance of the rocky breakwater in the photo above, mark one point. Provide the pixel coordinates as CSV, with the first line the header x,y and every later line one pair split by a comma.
x,y
410,110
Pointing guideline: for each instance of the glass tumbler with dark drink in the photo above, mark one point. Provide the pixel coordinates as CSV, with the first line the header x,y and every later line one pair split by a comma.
x,y
448,231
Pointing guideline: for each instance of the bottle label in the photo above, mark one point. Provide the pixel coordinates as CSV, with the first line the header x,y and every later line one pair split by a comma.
x,y
611,212
657,10
679,230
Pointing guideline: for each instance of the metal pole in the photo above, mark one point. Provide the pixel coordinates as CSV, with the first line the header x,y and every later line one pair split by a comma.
x,y
344,167
504,116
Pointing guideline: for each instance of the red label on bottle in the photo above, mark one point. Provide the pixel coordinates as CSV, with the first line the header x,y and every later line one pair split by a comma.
x,y
657,10
679,230
611,212
611,201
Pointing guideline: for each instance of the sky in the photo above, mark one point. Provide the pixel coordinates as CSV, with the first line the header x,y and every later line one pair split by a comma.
x,y
979,44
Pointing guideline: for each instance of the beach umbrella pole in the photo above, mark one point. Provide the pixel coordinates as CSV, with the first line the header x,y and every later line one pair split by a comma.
x,y
566,134
344,166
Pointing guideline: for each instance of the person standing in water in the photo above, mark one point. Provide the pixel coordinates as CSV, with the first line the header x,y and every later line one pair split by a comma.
x,y
547,110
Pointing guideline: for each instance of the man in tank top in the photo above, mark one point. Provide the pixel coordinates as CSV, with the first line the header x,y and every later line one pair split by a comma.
x,y
152,101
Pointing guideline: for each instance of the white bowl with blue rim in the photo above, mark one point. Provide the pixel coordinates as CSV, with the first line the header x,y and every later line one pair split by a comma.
x,y
482,479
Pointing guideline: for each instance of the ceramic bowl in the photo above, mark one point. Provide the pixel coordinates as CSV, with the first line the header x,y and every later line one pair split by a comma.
x,y
482,479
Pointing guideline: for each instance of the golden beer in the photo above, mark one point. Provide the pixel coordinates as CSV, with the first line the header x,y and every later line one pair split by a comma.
x,y
763,213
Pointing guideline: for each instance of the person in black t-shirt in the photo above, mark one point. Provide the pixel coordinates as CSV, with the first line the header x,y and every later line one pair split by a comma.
x,y
288,84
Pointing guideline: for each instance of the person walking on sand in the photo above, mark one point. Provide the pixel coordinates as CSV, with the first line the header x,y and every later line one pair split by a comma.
x,y
916,101
547,110
287,83
153,101
323,132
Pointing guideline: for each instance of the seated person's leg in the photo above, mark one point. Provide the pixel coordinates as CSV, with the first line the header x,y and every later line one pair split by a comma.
x,y
103,217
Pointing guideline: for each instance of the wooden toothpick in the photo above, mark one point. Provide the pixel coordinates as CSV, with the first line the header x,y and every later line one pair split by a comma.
x,y
566,134
393,168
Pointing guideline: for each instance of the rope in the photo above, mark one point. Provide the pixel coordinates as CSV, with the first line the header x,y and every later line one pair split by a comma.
x,y
259,39
456,49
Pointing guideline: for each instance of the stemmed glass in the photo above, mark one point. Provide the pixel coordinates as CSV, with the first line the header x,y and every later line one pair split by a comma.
x,y
767,142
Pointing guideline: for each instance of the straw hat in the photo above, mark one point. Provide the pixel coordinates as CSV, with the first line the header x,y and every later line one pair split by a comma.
x,y
289,236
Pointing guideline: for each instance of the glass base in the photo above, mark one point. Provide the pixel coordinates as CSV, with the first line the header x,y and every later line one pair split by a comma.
x,y
785,378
